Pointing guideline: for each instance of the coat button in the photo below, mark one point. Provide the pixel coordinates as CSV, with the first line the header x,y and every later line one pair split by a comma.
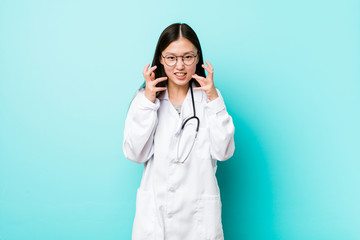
x,y
171,189
170,215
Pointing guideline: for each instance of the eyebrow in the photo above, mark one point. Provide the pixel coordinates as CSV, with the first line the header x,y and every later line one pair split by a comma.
x,y
170,53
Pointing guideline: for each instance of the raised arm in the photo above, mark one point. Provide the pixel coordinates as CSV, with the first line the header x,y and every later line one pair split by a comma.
x,y
221,126
139,129
221,130
142,119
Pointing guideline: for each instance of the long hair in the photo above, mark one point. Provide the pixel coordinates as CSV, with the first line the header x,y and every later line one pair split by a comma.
x,y
169,35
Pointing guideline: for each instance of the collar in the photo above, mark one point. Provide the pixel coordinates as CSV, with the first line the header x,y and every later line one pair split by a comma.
x,y
187,107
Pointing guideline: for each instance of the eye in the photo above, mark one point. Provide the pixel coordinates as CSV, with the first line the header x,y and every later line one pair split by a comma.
x,y
170,57
188,57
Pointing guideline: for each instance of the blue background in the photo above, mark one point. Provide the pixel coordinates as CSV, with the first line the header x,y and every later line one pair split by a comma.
x,y
288,70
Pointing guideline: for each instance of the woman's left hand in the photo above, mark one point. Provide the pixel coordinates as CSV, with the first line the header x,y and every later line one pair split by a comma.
x,y
207,84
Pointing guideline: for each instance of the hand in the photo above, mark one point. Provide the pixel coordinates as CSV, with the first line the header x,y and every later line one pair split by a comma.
x,y
207,84
150,83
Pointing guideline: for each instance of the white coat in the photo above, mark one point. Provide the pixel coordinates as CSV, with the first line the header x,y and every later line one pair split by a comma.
x,y
177,201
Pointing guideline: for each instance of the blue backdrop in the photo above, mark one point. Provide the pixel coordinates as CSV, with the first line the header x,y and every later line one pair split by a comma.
x,y
288,70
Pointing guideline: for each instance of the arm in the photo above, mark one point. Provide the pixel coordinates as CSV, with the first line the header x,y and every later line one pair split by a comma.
x,y
142,119
221,126
221,129
139,129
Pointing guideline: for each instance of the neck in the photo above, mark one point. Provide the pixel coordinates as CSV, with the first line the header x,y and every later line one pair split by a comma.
x,y
177,93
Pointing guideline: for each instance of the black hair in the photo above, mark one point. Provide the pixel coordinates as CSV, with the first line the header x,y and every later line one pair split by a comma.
x,y
169,35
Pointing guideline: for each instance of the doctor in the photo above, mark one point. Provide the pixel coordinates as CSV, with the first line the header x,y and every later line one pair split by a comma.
x,y
178,126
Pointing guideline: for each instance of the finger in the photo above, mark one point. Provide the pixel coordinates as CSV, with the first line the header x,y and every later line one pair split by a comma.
x,y
152,69
202,83
160,80
147,73
206,67
152,76
211,67
199,88
146,68
199,78
158,89
209,70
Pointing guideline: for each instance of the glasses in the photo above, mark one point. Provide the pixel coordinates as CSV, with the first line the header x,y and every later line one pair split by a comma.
x,y
187,59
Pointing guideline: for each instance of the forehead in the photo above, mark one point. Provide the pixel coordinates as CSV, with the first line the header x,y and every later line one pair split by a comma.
x,y
180,46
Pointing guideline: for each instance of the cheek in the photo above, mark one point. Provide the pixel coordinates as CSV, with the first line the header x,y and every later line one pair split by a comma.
x,y
168,70
192,69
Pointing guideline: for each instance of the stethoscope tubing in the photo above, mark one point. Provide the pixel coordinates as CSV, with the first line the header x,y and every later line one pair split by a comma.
x,y
183,125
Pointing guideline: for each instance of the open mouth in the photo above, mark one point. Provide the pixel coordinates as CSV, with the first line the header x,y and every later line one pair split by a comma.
x,y
180,76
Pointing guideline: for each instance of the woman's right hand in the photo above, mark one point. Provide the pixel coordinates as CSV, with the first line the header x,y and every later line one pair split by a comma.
x,y
150,83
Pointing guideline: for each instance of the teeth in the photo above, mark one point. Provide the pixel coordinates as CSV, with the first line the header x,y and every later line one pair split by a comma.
x,y
179,74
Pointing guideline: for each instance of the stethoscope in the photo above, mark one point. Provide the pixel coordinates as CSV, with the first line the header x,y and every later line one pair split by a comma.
x,y
183,125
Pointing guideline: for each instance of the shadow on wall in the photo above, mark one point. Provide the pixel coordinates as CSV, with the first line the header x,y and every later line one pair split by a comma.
x,y
246,188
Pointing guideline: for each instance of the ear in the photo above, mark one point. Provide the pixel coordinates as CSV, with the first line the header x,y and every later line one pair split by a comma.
x,y
161,59
198,58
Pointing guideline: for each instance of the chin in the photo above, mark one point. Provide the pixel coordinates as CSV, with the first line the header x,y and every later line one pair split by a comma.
x,y
181,82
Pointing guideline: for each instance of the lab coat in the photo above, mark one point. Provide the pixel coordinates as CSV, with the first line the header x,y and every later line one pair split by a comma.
x,y
177,201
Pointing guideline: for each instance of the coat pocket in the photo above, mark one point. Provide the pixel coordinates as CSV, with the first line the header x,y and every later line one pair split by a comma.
x,y
208,212
144,222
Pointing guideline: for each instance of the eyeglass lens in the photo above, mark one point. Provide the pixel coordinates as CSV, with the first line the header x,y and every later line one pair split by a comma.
x,y
187,59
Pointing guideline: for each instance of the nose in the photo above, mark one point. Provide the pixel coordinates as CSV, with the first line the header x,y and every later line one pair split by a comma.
x,y
179,63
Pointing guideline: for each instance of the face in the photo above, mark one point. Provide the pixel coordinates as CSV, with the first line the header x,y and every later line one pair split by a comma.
x,y
180,74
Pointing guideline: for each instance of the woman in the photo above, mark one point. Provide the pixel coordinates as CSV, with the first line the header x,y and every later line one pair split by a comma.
x,y
178,126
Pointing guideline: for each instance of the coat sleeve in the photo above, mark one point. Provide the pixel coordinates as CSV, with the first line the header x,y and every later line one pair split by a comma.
x,y
221,129
140,125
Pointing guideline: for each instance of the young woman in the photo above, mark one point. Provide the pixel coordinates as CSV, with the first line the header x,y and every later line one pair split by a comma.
x,y
178,126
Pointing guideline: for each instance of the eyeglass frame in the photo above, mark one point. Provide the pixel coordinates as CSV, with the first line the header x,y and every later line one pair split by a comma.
x,y
182,58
